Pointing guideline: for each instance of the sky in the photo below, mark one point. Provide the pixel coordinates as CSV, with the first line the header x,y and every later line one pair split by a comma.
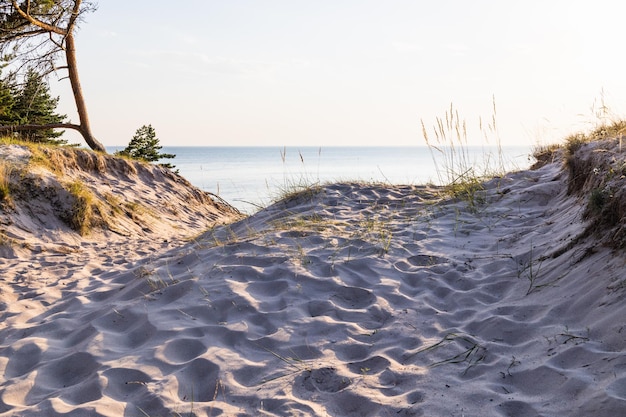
x,y
346,72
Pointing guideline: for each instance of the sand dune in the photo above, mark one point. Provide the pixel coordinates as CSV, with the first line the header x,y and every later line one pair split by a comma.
x,y
353,300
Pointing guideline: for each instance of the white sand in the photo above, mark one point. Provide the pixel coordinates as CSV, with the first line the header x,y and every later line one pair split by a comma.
x,y
359,301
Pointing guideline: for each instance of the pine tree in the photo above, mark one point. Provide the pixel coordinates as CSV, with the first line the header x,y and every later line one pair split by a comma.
x,y
40,34
34,106
7,102
145,146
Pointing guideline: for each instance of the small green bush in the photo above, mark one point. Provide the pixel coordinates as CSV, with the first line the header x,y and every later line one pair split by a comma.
x,y
597,199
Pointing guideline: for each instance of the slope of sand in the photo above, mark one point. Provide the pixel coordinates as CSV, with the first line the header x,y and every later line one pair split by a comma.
x,y
350,300
63,199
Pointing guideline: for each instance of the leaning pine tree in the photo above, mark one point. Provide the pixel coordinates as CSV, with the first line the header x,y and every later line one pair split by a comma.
x,y
145,147
40,34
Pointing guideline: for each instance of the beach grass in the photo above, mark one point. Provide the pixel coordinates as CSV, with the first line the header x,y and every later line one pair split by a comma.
x,y
82,214
5,182
461,175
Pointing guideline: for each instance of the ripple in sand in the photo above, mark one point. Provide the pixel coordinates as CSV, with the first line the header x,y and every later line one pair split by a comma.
x,y
304,352
617,389
501,330
173,292
132,338
268,289
79,336
536,381
118,321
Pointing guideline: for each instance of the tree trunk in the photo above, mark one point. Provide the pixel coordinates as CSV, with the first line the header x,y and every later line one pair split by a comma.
x,y
72,68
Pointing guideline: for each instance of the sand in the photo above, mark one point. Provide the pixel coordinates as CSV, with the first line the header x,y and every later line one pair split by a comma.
x,y
350,300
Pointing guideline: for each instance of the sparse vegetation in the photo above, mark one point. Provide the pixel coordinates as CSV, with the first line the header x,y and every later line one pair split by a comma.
x,y
530,270
5,240
82,215
599,175
597,199
133,209
5,182
114,203
298,192
378,231
471,353
460,174
605,125
546,154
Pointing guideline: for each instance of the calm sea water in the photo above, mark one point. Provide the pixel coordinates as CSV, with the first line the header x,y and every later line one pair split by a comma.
x,y
252,177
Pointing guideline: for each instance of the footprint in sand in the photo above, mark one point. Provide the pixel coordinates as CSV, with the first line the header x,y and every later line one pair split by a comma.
x,y
124,383
353,297
417,262
179,351
22,360
324,380
198,381
68,371
370,366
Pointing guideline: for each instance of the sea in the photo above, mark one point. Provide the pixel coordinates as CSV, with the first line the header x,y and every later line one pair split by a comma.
x,y
250,178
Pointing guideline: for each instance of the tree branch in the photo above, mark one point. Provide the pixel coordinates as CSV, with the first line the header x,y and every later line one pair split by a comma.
x,y
38,23
19,128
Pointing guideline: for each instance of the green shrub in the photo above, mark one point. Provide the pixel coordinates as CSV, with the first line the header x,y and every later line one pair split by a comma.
x,y
597,199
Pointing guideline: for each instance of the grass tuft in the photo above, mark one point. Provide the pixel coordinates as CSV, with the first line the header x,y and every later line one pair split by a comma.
x,y
5,182
298,192
461,175
82,214
546,154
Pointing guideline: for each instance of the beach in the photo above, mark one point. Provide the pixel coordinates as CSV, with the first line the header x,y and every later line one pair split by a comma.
x,y
347,299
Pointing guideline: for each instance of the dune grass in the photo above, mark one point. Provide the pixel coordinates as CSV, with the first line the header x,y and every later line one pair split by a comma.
x,y
5,182
82,215
597,173
460,174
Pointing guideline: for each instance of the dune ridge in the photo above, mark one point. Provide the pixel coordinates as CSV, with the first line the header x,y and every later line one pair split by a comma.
x,y
347,300
61,198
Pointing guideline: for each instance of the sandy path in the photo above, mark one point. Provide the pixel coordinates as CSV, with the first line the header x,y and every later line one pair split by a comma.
x,y
358,301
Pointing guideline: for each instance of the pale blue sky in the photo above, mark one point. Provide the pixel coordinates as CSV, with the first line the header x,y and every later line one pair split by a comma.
x,y
345,72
